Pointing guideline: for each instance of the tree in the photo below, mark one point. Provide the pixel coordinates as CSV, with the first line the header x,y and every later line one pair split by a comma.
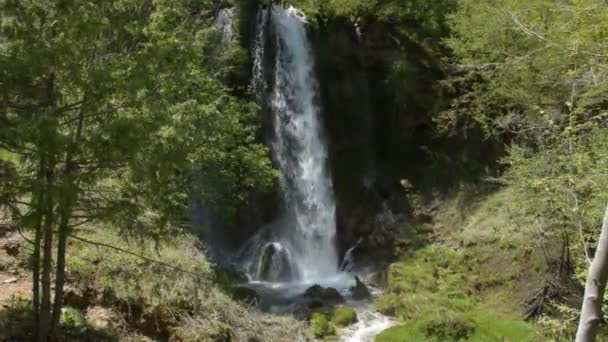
x,y
111,113
591,311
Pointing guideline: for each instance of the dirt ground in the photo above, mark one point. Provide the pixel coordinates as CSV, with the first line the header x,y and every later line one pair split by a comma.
x,y
14,281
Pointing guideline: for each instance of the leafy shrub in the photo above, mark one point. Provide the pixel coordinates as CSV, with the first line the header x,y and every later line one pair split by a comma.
x,y
343,316
449,329
320,325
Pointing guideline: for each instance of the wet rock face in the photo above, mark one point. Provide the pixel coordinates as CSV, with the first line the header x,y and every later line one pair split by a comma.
x,y
275,264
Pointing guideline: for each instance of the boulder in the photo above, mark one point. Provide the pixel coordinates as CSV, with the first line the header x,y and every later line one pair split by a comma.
x,y
11,247
74,297
360,290
324,295
101,318
275,263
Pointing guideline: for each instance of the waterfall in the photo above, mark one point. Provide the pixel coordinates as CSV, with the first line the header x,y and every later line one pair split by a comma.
x,y
298,147
223,24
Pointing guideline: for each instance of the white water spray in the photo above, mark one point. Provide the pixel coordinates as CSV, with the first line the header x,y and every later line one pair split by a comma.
x,y
223,24
298,147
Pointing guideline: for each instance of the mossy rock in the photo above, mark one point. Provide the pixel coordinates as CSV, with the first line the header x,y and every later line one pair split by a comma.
x,y
343,316
320,325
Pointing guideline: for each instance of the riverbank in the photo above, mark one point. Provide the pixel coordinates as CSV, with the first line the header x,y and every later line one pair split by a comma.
x,y
475,274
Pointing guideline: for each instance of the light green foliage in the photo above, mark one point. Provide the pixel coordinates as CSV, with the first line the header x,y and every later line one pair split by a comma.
x,y
71,317
320,326
525,66
126,90
179,291
115,118
533,73
343,316
186,280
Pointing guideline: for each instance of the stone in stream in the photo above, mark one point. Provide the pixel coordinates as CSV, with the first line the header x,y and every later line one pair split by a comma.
x,y
318,296
274,263
360,290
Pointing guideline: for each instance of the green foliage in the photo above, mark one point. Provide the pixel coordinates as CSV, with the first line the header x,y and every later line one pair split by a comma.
x,y
432,290
125,92
343,316
182,276
532,74
178,288
115,118
320,325
16,324
524,67
71,317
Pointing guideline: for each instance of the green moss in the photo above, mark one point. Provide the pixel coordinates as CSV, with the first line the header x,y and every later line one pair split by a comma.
x,y
343,316
320,325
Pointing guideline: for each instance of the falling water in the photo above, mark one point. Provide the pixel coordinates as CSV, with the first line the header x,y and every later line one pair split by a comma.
x,y
298,148
223,24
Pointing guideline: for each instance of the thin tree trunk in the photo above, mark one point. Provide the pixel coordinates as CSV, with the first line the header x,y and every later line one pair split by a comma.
x,y
60,270
45,306
591,312
69,195
49,129
39,207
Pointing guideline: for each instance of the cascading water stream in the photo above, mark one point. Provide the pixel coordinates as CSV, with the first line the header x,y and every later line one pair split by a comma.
x,y
223,24
298,148
299,250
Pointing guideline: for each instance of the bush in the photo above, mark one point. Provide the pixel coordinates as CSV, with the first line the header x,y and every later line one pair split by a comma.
x,y
449,329
320,326
343,316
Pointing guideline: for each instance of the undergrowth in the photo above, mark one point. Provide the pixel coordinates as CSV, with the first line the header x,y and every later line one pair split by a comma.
x,y
472,278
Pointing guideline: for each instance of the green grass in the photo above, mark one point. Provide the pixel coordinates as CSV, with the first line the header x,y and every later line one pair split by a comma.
x,y
432,292
470,284
182,298
130,277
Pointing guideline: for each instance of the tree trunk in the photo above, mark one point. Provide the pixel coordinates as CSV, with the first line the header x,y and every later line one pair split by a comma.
x,y
69,197
60,270
39,208
45,305
591,312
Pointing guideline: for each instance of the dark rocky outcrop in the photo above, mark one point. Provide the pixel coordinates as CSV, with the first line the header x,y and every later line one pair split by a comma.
x,y
319,298
360,290
274,264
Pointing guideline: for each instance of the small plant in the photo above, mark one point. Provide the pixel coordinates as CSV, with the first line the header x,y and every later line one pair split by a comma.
x,y
449,329
71,317
320,326
343,316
